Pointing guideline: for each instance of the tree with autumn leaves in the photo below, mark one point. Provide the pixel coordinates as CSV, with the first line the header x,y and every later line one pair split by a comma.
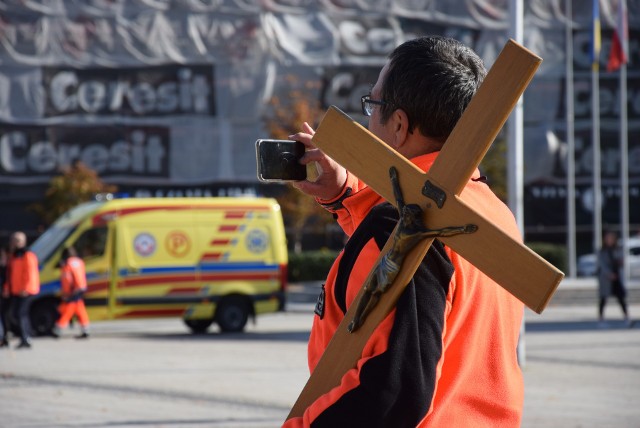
x,y
286,115
77,183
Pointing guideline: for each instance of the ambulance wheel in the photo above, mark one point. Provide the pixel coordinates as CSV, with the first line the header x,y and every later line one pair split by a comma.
x,y
198,326
43,316
232,314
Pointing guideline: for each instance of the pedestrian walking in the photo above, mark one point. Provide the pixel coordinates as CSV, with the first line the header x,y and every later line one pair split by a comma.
x,y
22,284
609,278
73,282
4,299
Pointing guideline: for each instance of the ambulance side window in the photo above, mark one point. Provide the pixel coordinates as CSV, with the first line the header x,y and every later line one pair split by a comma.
x,y
92,243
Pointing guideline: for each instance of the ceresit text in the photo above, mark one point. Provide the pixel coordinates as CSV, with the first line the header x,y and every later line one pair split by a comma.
x,y
133,153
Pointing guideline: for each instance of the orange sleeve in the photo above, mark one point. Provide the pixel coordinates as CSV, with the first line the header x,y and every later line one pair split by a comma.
x,y
347,218
32,280
78,273
65,280
376,345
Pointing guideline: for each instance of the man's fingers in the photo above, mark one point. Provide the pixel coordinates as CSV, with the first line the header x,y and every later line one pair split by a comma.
x,y
308,129
313,155
308,187
305,136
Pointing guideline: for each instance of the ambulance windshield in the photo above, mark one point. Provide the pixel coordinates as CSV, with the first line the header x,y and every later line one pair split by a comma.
x,y
49,241
55,235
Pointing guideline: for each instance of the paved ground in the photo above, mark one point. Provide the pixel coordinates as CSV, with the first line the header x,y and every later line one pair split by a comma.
x,y
153,373
579,373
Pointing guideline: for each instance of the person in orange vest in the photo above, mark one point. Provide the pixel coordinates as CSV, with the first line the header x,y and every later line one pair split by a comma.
x,y
73,281
4,300
446,355
22,284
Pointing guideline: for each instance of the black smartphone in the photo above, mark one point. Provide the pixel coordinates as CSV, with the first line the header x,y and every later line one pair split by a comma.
x,y
278,160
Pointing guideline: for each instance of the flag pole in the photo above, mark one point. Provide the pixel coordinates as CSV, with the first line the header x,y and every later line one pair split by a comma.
x,y
595,130
515,154
618,57
624,172
571,144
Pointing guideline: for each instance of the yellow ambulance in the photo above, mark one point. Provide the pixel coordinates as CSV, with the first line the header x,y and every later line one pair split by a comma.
x,y
206,260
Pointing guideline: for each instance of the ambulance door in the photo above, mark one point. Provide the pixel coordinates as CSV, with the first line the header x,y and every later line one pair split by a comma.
x,y
94,247
156,268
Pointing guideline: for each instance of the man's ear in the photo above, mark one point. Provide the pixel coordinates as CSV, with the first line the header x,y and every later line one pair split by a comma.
x,y
400,127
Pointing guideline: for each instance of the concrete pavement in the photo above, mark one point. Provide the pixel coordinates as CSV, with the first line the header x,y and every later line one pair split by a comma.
x,y
580,373
154,373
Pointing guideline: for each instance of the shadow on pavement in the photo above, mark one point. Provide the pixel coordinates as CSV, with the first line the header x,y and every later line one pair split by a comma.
x,y
569,326
279,336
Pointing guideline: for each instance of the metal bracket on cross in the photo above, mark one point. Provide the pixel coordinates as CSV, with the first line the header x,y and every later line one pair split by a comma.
x,y
408,233
439,194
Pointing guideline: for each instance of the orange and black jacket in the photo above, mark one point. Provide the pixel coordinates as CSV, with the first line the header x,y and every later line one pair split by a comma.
x,y
446,356
73,280
22,273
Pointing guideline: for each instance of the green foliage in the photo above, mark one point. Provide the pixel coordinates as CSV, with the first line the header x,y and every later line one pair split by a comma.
x,y
553,253
301,213
75,185
310,265
494,166
284,117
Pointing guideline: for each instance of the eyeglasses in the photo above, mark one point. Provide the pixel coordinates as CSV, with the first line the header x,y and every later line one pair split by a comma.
x,y
368,103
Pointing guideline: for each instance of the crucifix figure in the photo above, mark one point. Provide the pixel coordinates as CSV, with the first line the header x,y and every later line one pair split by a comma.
x,y
410,231
463,346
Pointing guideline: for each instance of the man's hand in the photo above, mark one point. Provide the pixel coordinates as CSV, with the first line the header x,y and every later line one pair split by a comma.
x,y
331,176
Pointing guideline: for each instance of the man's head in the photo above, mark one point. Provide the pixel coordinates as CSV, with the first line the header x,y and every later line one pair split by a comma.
x,y
68,252
431,79
18,240
610,239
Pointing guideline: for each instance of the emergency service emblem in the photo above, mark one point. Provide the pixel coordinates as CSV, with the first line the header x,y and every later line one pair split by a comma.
x,y
144,244
177,244
256,241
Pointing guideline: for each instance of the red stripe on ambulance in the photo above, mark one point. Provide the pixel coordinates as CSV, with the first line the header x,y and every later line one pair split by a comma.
x,y
229,228
220,242
104,217
152,313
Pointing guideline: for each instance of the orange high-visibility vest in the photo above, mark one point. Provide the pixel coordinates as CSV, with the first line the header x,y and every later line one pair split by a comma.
x,y
446,356
22,274
73,276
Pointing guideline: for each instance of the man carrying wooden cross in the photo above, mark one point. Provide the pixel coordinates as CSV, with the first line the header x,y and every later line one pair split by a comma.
x,y
446,356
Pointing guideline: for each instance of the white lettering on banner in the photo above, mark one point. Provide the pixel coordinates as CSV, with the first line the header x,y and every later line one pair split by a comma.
x,y
345,91
359,40
548,192
609,157
191,93
586,193
609,100
13,143
143,154
172,193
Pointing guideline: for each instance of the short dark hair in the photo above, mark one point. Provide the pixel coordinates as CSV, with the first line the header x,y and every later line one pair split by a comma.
x,y
432,79
68,252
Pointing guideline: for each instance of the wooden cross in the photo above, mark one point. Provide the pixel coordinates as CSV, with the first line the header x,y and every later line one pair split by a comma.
x,y
508,262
